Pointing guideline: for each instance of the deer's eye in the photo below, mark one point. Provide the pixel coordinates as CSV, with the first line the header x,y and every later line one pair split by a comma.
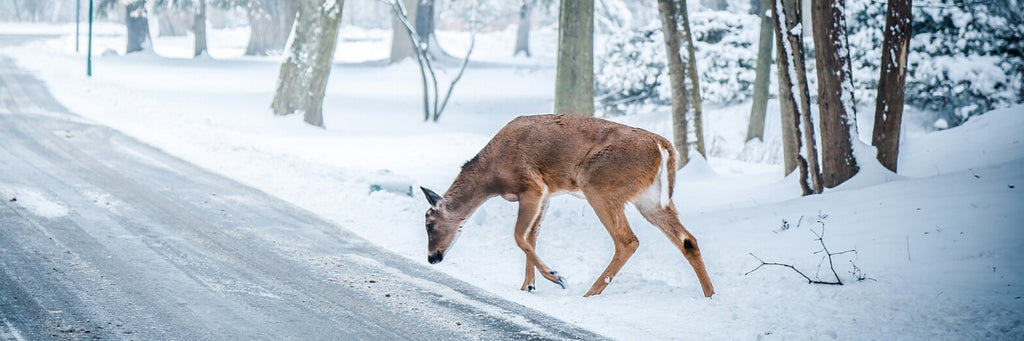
x,y
430,227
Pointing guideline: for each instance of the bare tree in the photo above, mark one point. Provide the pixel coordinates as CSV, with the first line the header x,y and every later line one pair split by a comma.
x,y
574,72
889,104
199,27
667,11
755,127
523,32
426,16
180,13
683,98
303,79
137,20
794,98
270,22
694,76
431,109
401,43
172,23
835,92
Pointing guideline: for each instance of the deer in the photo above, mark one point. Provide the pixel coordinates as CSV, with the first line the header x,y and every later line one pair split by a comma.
x,y
535,157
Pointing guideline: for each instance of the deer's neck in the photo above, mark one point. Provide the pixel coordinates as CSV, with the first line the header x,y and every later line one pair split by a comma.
x,y
469,190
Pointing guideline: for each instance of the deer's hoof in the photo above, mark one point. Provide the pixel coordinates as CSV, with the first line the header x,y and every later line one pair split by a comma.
x,y
559,279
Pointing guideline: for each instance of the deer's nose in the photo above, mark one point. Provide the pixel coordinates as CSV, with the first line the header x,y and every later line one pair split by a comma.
x,y
435,257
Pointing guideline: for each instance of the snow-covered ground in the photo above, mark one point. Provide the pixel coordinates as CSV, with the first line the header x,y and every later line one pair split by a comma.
x,y
940,242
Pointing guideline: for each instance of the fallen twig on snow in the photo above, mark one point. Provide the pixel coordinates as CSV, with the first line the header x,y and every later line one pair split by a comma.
x,y
827,256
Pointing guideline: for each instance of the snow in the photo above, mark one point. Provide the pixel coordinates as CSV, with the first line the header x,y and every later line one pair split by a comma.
x,y
940,240
36,202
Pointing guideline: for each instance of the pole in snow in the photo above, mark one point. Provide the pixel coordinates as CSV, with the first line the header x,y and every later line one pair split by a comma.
x,y
78,20
88,56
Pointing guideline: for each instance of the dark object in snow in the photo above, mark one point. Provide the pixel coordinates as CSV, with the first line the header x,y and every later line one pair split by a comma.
x,y
16,199
1011,186
387,181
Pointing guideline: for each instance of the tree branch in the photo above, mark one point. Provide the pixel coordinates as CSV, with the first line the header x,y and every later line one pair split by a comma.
x,y
465,61
403,17
827,256
423,58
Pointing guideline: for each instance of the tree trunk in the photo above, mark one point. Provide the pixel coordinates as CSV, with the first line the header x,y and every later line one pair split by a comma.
x,y
810,145
199,26
889,104
270,22
691,65
788,36
401,44
172,23
755,128
424,20
677,79
137,21
523,33
835,92
425,28
574,73
303,78
787,101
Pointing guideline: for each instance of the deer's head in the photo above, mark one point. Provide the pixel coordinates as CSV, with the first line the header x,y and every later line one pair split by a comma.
x,y
442,227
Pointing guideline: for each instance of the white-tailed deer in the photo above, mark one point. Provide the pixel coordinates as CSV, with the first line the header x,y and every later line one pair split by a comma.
x,y
535,157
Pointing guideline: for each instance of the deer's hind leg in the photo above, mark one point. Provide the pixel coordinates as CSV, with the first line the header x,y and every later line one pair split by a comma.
x,y
667,220
613,218
531,207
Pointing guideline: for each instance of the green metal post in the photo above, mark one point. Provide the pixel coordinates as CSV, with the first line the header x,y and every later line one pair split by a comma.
x,y
88,57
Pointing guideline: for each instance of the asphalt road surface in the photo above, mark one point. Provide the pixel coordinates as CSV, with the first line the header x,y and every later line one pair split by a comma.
x,y
104,237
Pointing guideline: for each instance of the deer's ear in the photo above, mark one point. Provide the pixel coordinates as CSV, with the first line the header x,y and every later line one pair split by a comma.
x,y
432,197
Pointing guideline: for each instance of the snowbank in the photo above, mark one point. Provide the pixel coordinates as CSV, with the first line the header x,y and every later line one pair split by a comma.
x,y
940,243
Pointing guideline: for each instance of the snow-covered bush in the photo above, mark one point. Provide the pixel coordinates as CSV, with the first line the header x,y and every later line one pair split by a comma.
x,y
726,49
965,59
631,72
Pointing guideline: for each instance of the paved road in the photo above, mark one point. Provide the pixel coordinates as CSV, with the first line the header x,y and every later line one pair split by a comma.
x,y
102,236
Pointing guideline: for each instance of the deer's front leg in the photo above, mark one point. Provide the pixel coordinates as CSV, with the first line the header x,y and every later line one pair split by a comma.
x,y
531,209
531,237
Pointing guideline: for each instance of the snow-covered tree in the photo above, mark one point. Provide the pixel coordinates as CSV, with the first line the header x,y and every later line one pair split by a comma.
x,y
197,9
755,127
136,19
523,30
631,72
889,102
836,105
199,27
304,73
693,76
270,22
794,97
965,56
683,81
401,43
677,79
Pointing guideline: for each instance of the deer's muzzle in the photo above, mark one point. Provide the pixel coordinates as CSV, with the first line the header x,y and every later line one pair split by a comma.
x,y
435,257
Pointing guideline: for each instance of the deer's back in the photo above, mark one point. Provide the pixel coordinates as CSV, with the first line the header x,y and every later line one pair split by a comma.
x,y
570,150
